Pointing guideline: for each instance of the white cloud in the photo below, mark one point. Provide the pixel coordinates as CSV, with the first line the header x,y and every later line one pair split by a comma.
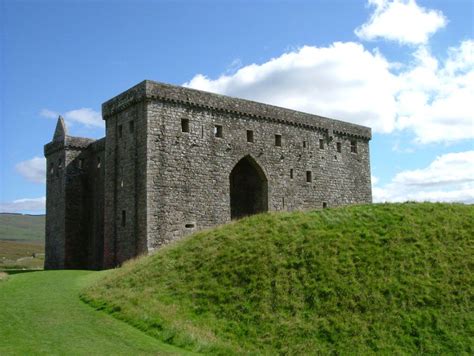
x,y
34,205
84,116
402,21
428,97
435,98
342,81
449,178
33,169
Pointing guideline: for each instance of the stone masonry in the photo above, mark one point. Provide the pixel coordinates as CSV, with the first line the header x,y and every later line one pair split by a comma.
x,y
177,160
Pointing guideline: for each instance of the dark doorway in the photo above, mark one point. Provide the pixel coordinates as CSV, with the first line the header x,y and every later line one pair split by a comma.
x,y
248,189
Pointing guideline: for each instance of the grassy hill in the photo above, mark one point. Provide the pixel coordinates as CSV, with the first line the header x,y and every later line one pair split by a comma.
x,y
392,278
41,314
21,241
22,227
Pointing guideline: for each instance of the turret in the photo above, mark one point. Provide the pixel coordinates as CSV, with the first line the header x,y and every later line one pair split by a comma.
x,y
66,213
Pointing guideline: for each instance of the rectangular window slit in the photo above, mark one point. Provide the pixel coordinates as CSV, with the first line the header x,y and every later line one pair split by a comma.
x,y
321,144
124,218
184,125
278,140
80,163
353,146
131,126
51,168
249,136
98,162
218,131
339,147
304,144
190,226
325,205
291,173
120,131
309,178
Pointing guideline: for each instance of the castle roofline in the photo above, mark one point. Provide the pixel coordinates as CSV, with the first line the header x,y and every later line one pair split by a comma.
x,y
68,143
150,90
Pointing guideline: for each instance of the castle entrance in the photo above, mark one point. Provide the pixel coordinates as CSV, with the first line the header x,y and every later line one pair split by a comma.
x,y
248,189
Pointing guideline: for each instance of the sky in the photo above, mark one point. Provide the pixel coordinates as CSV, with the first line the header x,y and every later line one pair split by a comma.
x,y
405,68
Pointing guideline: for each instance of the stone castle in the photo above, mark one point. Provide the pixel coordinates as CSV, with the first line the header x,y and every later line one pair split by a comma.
x,y
177,160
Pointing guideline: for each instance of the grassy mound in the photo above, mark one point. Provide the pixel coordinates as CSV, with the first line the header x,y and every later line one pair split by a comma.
x,y
394,278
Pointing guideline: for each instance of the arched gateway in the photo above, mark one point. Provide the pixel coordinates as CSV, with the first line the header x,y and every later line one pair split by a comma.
x,y
248,189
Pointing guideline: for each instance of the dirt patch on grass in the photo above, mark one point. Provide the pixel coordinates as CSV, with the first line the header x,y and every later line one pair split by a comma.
x,y
3,276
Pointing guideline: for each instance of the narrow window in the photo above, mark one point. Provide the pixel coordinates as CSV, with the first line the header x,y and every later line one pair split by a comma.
x,y
184,125
124,218
218,131
353,146
120,131
80,163
278,140
98,161
51,168
339,147
291,173
189,226
325,205
60,163
283,201
249,136
304,144
321,144
131,126
309,178
121,177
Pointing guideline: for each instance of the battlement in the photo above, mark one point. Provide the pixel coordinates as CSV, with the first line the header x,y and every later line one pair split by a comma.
x,y
150,90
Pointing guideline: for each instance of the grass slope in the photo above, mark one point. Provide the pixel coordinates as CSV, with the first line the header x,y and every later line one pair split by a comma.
x,y
41,314
21,241
393,278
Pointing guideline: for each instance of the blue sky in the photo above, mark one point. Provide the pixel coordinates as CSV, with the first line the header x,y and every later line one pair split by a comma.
x,y
402,67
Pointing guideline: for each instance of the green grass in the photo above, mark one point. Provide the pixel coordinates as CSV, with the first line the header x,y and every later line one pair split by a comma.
x,y
390,279
41,314
21,241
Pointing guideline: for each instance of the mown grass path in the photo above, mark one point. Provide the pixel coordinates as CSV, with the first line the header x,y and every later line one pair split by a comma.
x,y
41,313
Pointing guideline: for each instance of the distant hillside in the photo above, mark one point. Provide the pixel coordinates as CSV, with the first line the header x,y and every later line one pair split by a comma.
x,y
390,279
21,241
22,227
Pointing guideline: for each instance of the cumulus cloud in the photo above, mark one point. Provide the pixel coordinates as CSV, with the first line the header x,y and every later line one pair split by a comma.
x,y
403,21
343,81
84,116
449,178
428,97
28,205
33,169
435,98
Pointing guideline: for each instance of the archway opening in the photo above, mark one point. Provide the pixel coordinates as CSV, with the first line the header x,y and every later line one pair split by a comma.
x,y
248,189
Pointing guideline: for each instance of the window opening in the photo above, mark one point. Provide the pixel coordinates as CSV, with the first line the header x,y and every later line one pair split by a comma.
x,y
249,136
309,177
339,147
124,218
321,144
131,126
184,125
218,131
278,140
120,131
353,146
291,173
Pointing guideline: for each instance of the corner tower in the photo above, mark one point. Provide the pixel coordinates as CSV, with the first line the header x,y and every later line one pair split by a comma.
x,y
66,240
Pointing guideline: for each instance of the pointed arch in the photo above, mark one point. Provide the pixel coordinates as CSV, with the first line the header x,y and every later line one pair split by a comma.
x,y
248,188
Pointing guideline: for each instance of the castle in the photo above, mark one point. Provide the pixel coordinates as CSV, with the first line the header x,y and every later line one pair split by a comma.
x,y
177,160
